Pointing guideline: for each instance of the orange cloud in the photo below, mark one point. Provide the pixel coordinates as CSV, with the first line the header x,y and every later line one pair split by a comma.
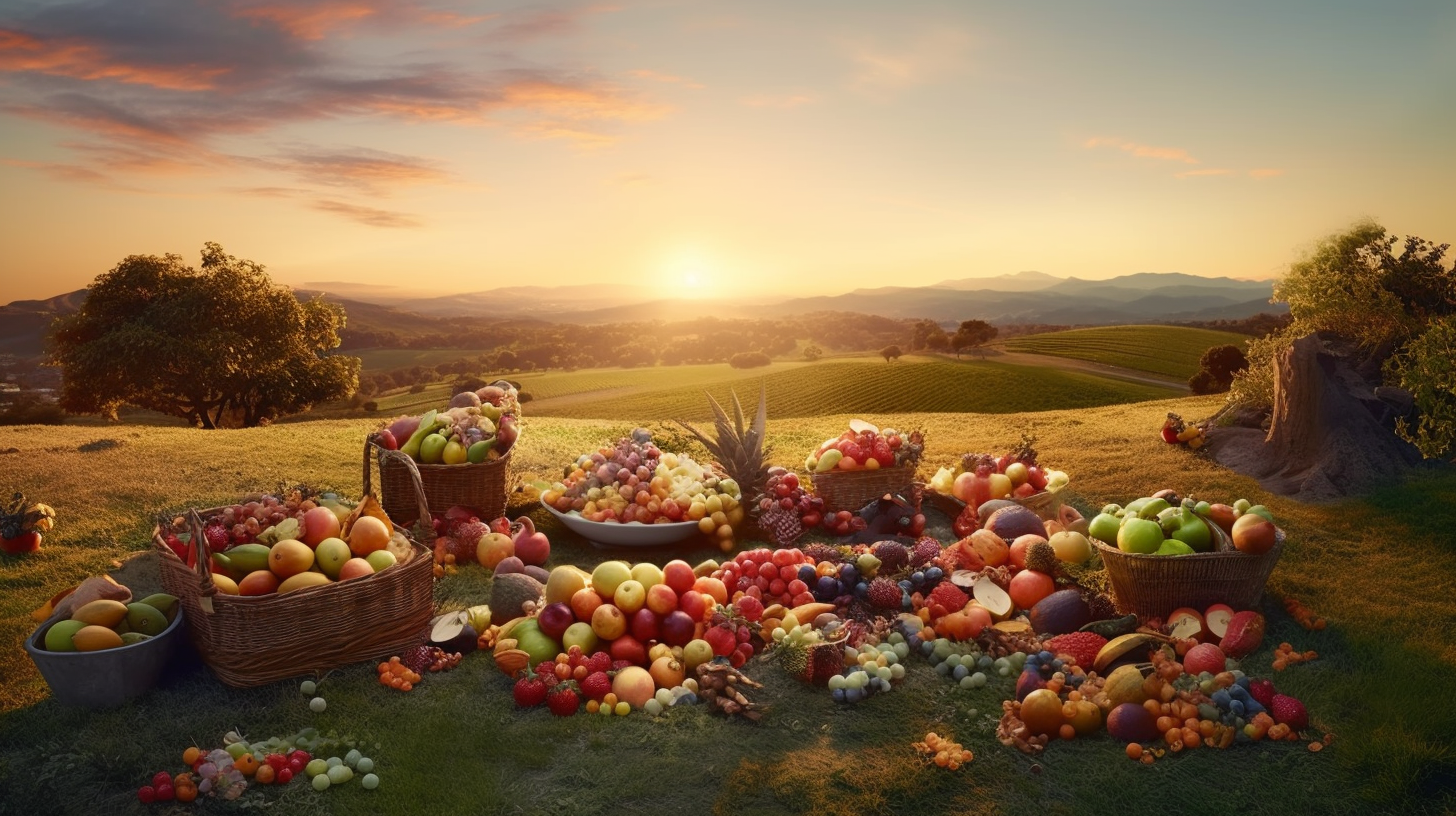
x,y
369,170
1205,171
368,216
74,173
76,59
309,22
1143,151
1265,172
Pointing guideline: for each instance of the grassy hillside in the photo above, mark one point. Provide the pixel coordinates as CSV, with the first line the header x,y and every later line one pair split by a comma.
x,y
456,744
1172,351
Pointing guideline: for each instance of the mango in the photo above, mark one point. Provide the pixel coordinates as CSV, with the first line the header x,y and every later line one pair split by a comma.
x,y
303,580
145,618
93,638
101,612
58,637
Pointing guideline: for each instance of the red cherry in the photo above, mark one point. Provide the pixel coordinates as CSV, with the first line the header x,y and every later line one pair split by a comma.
x,y
285,775
147,794
161,778
165,793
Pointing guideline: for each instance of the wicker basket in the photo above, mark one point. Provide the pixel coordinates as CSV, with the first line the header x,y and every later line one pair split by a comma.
x,y
1154,585
853,489
253,640
481,486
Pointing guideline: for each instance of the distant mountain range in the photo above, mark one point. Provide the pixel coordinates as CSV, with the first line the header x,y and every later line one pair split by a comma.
x,y
1023,297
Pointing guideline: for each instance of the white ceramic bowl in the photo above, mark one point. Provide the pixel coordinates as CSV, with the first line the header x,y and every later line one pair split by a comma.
x,y
630,534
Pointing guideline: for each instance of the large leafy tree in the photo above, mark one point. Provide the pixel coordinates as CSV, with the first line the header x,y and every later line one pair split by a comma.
x,y
220,345
971,334
1399,307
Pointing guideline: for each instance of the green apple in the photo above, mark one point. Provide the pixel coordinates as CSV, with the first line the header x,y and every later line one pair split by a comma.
x,y
1173,547
1103,527
379,559
1112,509
647,574
1139,535
1193,531
1242,506
1202,508
580,634
697,651
1152,507
330,555
607,576
432,449
1261,510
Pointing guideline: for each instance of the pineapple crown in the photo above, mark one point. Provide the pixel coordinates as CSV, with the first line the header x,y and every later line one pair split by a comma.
x,y
980,463
1025,450
738,447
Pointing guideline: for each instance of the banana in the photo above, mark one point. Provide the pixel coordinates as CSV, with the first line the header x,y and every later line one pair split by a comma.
x,y
1121,646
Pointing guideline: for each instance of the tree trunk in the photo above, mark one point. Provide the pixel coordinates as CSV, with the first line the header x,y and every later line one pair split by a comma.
x,y
1296,429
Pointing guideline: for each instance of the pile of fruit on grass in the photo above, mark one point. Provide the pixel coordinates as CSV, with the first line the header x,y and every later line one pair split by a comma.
x,y
981,477
226,772
635,481
1000,607
278,543
478,426
21,524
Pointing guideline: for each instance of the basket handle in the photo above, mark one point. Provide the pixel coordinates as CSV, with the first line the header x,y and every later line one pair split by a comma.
x,y
204,562
381,452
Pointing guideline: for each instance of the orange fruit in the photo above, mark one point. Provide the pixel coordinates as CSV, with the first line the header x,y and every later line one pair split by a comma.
x,y
1042,712
367,535
190,755
264,775
247,764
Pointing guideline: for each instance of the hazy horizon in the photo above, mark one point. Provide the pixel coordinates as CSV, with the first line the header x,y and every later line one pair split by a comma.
x,y
697,150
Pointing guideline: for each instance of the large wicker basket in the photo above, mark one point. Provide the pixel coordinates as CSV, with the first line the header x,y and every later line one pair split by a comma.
x,y
853,489
481,486
253,640
1154,585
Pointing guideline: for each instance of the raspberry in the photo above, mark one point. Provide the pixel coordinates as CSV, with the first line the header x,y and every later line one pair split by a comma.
x,y
926,550
949,596
596,685
885,594
529,692
563,701
599,662
893,556
1082,646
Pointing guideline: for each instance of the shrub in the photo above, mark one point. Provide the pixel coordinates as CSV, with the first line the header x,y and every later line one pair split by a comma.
x,y
749,359
371,406
417,388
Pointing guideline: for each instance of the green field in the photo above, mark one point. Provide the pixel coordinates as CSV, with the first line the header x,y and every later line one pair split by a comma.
x,y
1378,568
1172,351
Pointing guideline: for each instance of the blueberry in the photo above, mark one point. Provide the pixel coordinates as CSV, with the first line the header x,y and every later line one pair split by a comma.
x,y
1221,699
1056,665
917,578
934,574
1237,707
1046,656
848,573
959,671
906,586
838,695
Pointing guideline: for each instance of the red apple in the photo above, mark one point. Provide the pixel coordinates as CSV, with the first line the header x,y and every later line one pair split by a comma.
x,y
630,649
1186,622
677,628
608,622
644,625
554,619
584,602
1205,657
1216,619
678,574
696,604
722,639
318,524
1253,534
661,599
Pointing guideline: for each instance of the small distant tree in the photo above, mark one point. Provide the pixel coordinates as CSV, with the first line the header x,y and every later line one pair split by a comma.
x,y
891,353
972,334
1216,369
217,345
812,352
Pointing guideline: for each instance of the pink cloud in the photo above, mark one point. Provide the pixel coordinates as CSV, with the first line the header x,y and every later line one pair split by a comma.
x,y
77,59
1143,151
368,216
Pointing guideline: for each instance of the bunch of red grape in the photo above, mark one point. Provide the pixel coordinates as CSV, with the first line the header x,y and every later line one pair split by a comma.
x,y
771,576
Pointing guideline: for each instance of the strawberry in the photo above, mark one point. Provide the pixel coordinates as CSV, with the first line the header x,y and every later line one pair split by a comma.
x,y
1082,646
596,685
1289,711
529,692
217,537
599,662
1263,691
563,700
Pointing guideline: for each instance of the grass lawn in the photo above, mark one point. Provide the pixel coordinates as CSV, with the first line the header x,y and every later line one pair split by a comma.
x,y
1172,351
1380,568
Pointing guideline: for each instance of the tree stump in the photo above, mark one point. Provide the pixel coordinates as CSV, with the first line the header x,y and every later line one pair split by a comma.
x,y
1328,435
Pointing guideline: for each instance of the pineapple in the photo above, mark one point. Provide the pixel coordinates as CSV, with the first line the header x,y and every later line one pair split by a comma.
x,y
739,450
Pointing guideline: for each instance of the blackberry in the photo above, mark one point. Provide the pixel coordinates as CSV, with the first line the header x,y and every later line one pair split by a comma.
x,y
925,551
893,556
885,593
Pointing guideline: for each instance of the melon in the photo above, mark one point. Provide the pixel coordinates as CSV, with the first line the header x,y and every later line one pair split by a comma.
x,y
1061,612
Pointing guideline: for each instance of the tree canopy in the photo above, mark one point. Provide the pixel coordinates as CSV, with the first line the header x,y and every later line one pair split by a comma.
x,y
891,353
1216,369
220,345
972,333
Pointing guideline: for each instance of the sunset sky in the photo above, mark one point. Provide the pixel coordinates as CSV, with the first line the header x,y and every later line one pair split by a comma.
x,y
711,148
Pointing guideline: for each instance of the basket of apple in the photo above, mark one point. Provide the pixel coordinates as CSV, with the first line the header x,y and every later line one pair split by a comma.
x,y
1163,552
862,464
1015,476
633,494
298,582
462,453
